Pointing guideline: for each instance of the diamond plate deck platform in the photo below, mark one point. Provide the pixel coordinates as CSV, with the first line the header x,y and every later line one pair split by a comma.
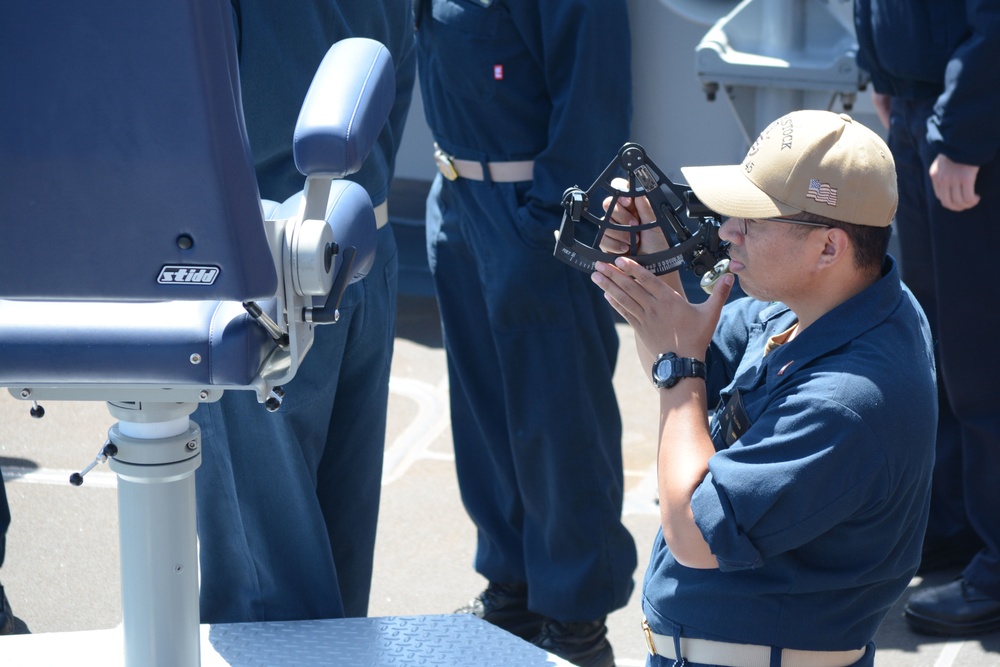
x,y
453,640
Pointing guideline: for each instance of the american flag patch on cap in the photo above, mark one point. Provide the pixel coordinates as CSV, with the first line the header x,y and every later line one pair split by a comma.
x,y
822,192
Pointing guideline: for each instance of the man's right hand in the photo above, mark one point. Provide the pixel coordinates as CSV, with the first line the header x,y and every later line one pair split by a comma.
x,y
954,183
630,212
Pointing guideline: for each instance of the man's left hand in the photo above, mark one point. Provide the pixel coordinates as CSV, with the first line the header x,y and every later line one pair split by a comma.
x,y
662,317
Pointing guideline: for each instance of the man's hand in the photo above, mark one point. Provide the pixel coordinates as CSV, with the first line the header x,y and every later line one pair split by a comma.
x,y
631,212
954,183
662,317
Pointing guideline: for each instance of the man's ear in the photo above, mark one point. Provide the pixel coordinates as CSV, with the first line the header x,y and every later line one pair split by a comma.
x,y
836,246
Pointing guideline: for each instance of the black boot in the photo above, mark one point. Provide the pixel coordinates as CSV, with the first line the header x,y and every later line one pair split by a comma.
x,y
506,606
953,610
584,644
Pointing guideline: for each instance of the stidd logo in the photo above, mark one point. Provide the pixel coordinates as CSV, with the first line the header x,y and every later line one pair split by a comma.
x,y
188,275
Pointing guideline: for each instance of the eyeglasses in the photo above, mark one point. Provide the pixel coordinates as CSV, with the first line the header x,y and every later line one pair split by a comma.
x,y
743,225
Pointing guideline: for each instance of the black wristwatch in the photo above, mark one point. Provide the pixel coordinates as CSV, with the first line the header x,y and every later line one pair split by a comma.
x,y
669,368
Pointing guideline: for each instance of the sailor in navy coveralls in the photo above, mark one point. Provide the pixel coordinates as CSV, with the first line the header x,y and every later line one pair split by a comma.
x,y
516,95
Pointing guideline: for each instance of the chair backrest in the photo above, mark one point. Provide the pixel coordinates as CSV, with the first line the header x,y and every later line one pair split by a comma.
x,y
125,172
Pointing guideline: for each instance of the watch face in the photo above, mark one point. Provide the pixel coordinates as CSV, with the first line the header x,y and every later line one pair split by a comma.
x,y
662,369
668,369
663,372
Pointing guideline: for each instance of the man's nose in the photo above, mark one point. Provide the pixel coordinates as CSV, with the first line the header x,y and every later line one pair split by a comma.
x,y
730,230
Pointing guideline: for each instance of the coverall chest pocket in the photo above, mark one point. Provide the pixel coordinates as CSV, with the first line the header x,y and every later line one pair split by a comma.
x,y
474,38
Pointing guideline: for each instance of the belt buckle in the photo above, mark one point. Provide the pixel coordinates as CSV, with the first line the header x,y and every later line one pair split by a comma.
x,y
445,165
649,637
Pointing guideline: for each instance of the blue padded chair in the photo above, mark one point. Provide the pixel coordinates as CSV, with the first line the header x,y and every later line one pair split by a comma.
x,y
138,265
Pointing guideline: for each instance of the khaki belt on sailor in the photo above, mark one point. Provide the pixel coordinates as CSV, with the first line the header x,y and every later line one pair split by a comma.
x,y
381,215
500,172
706,651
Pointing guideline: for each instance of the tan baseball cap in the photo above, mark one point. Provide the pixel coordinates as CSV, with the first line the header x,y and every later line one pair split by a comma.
x,y
816,161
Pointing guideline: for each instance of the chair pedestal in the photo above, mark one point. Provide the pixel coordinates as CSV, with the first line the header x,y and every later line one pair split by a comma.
x,y
158,451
